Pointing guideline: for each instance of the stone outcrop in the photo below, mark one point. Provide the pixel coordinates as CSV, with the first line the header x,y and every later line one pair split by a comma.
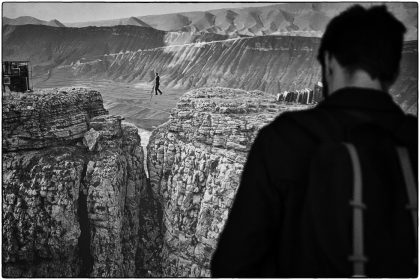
x,y
72,179
303,96
195,161
48,118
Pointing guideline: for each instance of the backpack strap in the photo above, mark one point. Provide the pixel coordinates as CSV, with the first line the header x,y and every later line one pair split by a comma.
x,y
358,258
410,187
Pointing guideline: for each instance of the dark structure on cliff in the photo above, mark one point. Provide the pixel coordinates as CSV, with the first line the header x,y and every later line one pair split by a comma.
x,y
16,75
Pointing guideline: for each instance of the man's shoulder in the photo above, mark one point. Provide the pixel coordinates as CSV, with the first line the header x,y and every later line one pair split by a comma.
x,y
294,120
293,115
290,128
318,121
287,146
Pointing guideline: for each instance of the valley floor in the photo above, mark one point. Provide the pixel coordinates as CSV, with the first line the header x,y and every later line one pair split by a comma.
x,y
132,101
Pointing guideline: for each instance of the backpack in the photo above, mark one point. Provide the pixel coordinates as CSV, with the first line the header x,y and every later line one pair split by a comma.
x,y
359,216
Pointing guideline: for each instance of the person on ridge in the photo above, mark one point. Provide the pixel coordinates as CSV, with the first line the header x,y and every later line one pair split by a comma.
x,y
280,224
157,83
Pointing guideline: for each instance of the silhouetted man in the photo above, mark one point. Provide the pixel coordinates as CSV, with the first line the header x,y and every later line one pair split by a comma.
x,y
157,78
272,231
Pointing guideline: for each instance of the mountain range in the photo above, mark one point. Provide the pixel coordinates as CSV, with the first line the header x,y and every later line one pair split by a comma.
x,y
303,19
31,20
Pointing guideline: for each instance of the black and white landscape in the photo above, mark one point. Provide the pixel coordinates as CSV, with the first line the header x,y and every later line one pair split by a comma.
x,y
270,48
84,195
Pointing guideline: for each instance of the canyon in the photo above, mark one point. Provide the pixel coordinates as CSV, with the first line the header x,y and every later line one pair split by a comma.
x,y
76,198
104,179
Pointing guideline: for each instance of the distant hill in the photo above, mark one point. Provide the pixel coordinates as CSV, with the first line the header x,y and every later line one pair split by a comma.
x,y
47,45
295,19
113,22
31,20
303,19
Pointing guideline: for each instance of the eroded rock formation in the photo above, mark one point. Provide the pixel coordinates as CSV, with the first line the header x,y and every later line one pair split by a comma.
x,y
195,161
75,198
304,96
47,118
72,178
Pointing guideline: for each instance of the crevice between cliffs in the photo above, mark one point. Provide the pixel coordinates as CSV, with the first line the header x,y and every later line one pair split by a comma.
x,y
85,256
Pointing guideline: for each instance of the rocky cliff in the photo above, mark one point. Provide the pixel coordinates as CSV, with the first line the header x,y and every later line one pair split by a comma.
x,y
195,161
72,179
75,198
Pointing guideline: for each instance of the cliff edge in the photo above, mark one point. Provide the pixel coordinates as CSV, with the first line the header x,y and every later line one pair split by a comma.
x,y
72,179
195,162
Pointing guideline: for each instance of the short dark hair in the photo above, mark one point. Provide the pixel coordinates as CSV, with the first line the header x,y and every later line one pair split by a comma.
x,y
367,39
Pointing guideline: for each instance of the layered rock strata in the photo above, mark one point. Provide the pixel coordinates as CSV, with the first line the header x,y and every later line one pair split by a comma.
x,y
195,162
72,179
47,118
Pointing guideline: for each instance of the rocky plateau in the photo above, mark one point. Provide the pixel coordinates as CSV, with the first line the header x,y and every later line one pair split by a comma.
x,y
76,200
72,179
195,162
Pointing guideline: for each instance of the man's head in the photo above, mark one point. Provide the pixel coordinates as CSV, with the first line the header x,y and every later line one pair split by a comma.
x,y
361,47
157,74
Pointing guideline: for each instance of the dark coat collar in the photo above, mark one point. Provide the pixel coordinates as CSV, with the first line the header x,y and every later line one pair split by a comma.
x,y
361,99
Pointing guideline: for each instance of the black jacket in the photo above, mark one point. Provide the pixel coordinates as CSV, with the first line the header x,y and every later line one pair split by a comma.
x,y
261,236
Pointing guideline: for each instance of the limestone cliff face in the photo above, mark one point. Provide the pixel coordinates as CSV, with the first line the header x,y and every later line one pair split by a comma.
x,y
48,118
72,179
40,213
195,161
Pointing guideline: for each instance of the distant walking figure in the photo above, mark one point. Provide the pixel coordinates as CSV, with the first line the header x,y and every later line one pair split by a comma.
x,y
157,84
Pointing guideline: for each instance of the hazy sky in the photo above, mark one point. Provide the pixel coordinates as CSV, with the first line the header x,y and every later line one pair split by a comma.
x,y
78,12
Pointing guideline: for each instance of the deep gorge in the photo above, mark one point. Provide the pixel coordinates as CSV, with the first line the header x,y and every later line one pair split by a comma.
x,y
76,200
